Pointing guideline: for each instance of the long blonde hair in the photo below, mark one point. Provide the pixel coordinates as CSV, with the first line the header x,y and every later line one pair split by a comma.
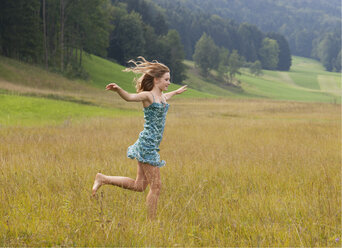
x,y
149,71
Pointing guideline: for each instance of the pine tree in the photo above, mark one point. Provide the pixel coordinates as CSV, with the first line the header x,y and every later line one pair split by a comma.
x,y
127,39
250,41
174,55
284,62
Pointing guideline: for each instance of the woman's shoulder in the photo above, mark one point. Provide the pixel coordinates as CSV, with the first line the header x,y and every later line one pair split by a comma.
x,y
145,93
148,98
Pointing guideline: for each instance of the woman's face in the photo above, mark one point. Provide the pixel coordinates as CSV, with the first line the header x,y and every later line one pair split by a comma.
x,y
163,82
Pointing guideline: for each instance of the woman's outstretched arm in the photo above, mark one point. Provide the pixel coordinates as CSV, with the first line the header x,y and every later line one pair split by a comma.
x,y
175,92
139,97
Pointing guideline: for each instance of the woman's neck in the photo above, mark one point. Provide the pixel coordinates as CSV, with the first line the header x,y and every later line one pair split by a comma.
x,y
157,92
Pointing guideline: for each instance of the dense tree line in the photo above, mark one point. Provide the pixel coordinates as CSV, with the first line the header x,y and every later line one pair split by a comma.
x,y
208,56
328,51
304,23
245,38
141,29
54,32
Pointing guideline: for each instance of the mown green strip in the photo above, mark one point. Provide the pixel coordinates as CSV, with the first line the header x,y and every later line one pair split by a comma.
x,y
32,111
281,91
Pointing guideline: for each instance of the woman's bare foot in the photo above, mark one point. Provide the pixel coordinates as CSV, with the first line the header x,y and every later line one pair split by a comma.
x,y
97,183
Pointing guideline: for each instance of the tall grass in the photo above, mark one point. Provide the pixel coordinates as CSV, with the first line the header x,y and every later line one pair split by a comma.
x,y
238,173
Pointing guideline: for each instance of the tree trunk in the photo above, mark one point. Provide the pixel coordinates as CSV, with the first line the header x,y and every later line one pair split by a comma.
x,y
62,34
45,36
76,38
81,49
76,55
53,41
67,55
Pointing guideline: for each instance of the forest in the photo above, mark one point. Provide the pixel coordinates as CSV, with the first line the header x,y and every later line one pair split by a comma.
x,y
58,33
54,33
311,27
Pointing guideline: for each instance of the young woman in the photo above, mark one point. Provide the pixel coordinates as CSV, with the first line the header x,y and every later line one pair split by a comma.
x,y
150,86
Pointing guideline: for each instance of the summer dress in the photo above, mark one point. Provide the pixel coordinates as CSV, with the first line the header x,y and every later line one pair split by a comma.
x,y
146,148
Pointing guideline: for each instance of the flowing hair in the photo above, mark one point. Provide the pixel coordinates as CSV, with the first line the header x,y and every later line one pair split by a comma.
x,y
149,71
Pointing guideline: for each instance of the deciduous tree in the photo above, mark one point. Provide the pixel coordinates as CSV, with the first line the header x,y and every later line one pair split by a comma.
x,y
206,54
269,53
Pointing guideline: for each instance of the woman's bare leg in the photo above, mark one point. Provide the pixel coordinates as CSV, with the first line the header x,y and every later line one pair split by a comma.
x,y
139,184
153,177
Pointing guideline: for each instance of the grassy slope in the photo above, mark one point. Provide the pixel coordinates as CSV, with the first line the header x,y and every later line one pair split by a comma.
x,y
301,83
306,81
30,95
195,80
103,71
279,90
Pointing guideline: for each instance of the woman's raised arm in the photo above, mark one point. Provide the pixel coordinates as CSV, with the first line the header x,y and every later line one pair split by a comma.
x,y
139,97
175,92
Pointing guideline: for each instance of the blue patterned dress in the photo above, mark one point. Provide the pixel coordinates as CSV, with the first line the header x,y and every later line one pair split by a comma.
x,y
146,148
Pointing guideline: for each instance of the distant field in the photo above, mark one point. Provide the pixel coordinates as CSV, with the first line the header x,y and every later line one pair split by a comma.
x,y
306,81
239,173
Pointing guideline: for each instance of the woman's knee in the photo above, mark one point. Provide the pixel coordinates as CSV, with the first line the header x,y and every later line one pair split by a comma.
x,y
156,187
140,186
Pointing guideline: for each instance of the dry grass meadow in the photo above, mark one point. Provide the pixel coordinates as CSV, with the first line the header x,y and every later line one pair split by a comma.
x,y
238,173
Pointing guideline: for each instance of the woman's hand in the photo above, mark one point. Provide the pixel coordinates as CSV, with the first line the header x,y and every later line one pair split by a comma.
x,y
181,89
113,87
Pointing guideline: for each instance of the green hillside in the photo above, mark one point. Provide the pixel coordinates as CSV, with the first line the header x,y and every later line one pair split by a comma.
x,y
306,81
103,71
55,98
31,96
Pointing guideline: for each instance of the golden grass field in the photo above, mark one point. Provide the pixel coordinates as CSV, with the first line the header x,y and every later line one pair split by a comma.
x,y
238,173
